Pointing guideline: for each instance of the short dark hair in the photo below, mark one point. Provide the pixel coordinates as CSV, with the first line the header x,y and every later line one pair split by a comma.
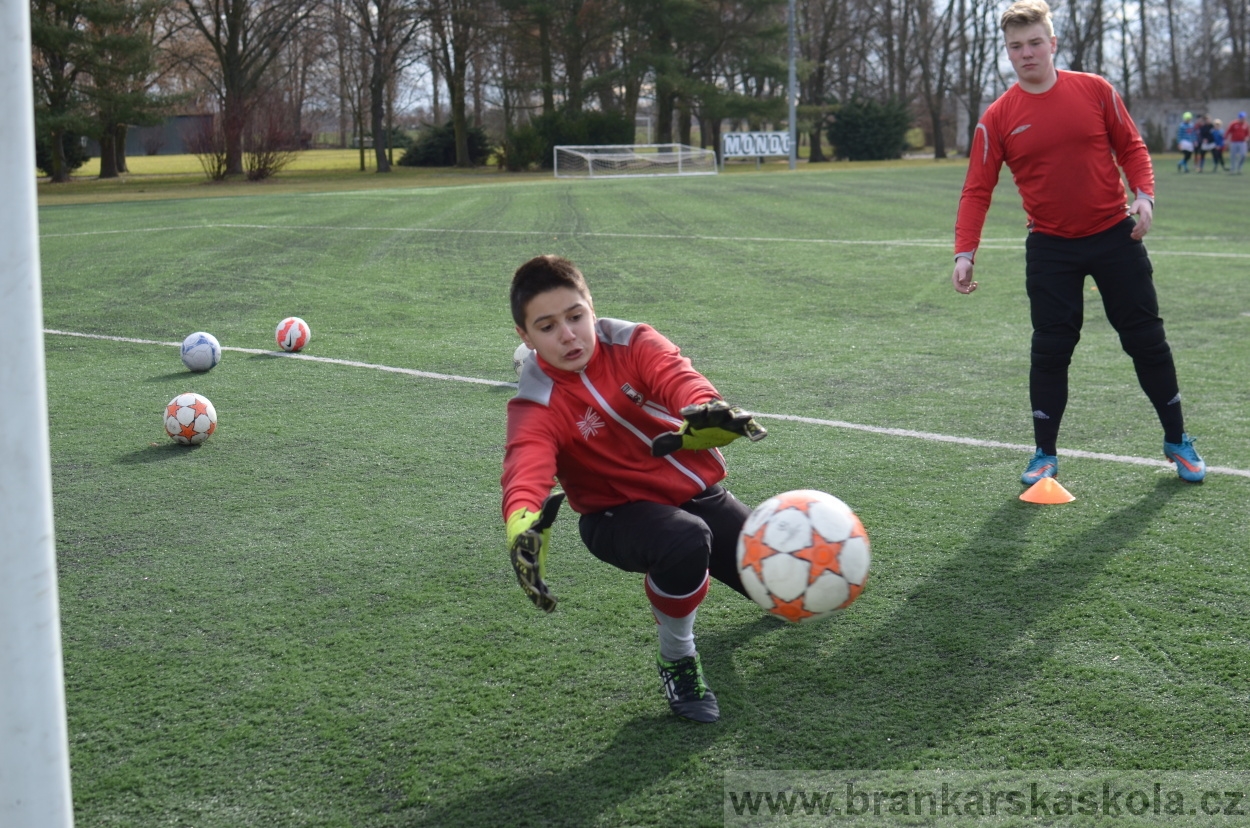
x,y
539,275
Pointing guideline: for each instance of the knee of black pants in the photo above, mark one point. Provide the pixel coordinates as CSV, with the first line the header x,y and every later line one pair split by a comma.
x,y
1147,345
1053,352
681,563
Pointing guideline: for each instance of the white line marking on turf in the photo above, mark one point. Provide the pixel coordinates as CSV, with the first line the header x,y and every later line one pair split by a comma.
x,y
970,441
412,372
892,432
986,244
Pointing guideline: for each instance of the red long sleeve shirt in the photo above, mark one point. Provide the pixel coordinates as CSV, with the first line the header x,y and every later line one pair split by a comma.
x,y
1065,148
1236,131
592,430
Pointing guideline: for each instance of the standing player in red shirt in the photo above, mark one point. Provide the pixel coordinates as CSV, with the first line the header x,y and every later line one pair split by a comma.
x,y
1236,136
1065,136
593,411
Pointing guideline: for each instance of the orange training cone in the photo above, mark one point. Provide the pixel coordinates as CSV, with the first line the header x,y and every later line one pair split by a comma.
x,y
1047,490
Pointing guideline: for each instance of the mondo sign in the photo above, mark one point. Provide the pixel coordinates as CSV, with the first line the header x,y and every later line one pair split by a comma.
x,y
755,143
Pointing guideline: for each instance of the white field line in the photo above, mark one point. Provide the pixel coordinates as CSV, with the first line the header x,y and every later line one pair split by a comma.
x,y
348,362
986,244
892,432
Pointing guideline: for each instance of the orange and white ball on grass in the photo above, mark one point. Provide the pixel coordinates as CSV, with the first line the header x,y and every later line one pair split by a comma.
x,y
803,554
190,419
292,334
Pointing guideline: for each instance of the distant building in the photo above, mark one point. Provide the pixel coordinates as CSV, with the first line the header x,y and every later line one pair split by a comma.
x,y
168,138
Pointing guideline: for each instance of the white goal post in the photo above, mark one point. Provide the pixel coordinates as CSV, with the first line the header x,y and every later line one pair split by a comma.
x,y
620,160
34,741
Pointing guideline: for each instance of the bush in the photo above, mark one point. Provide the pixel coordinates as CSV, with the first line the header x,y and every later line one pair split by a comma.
x,y
268,147
522,149
399,139
870,131
1154,137
75,154
535,142
436,147
205,139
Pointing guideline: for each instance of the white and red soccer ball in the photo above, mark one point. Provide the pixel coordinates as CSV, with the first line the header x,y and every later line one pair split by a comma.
x,y
190,419
292,334
803,554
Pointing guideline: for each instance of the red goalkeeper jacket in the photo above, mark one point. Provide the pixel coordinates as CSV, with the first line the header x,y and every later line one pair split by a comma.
x,y
592,430
1065,148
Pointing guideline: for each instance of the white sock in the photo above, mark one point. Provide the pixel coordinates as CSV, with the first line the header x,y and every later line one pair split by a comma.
x,y
676,635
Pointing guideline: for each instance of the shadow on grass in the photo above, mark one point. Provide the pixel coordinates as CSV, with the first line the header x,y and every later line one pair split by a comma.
x,y
156,453
958,642
174,375
644,753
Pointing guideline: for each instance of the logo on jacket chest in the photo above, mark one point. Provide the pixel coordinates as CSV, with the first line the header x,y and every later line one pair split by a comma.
x,y
636,397
590,424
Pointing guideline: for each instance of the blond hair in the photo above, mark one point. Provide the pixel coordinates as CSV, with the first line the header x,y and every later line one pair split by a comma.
x,y
1027,13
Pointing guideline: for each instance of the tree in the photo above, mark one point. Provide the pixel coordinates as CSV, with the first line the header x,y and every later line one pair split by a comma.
x,y
61,53
459,29
977,25
532,21
121,65
822,31
1082,34
246,37
1238,28
935,43
387,28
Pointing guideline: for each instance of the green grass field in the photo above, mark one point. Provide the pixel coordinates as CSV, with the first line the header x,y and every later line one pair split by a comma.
x,y
311,620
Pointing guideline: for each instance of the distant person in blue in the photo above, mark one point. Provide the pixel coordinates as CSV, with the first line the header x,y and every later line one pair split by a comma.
x,y
1186,134
1217,151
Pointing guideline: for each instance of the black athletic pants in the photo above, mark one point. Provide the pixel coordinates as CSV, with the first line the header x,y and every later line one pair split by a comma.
x,y
676,545
1055,277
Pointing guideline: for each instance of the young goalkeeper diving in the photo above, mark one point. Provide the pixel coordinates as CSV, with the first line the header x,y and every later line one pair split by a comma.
x,y
594,411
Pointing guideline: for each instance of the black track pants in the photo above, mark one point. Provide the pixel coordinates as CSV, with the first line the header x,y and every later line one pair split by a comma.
x,y
1055,276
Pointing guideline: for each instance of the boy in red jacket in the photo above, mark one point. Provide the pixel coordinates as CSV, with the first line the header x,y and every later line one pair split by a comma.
x,y
593,410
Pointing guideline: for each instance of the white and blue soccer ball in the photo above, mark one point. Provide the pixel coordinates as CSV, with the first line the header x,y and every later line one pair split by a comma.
x,y
519,356
200,351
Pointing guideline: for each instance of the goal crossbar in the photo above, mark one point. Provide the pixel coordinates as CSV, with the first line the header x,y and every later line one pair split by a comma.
x,y
620,160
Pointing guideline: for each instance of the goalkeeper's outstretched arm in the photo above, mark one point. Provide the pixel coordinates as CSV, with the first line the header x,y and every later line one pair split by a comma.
x,y
709,425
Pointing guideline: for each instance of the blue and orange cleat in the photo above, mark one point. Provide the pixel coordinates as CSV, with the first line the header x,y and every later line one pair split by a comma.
x,y
1042,465
1189,464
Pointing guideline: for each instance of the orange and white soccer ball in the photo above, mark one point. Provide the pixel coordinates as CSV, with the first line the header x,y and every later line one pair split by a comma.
x,y
803,554
293,333
190,419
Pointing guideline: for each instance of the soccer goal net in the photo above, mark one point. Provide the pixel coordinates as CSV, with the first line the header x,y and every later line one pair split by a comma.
x,y
617,160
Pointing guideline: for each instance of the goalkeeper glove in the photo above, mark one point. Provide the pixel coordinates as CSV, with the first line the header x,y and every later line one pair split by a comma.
x,y
529,535
709,425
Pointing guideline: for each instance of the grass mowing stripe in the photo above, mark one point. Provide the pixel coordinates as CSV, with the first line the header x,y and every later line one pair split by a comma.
x,y
893,432
986,244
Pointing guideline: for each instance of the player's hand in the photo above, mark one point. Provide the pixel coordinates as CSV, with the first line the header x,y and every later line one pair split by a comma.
x,y
709,425
529,535
1144,209
962,277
